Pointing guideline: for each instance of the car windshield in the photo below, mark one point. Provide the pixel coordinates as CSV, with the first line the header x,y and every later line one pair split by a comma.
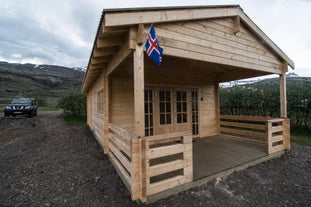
x,y
21,101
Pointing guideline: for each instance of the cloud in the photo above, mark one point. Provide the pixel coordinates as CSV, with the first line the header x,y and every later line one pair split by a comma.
x,y
62,32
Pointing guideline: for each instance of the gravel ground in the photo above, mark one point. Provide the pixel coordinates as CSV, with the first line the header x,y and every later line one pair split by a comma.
x,y
44,162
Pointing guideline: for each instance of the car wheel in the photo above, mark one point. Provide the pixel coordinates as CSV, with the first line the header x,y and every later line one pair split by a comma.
x,y
6,115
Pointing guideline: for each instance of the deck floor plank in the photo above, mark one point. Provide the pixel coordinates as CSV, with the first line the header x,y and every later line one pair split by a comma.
x,y
218,153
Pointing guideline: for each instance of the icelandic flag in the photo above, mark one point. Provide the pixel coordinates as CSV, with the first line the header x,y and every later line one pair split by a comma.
x,y
153,49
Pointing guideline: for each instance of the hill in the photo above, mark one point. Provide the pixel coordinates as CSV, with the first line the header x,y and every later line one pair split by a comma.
x,y
44,82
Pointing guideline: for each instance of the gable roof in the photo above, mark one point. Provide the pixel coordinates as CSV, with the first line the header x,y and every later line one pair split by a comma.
x,y
115,24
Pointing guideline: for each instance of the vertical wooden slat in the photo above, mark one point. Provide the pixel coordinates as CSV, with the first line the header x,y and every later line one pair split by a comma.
x,y
139,90
143,170
136,170
236,24
106,111
188,159
283,104
269,136
286,133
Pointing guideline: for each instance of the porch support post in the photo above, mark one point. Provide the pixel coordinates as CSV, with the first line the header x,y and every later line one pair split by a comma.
x,y
283,100
106,112
139,90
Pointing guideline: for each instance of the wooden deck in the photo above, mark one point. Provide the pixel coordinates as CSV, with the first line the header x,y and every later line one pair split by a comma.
x,y
218,153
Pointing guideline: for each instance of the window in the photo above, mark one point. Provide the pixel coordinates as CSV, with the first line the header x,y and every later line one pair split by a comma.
x,y
165,107
181,106
148,113
100,101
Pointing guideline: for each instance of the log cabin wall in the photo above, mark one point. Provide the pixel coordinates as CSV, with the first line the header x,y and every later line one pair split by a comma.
x,y
96,119
216,41
122,99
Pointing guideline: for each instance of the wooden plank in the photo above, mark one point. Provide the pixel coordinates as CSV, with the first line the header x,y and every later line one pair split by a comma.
x,y
283,101
236,25
122,54
277,129
166,184
166,167
246,118
105,52
175,52
277,148
207,47
243,125
168,136
123,146
158,16
244,132
139,85
122,171
106,111
122,132
136,169
209,35
122,159
286,133
167,150
109,42
277,138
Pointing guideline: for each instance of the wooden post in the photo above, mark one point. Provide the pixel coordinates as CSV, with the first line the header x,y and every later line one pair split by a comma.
x,y
139,90
283,104
286,133
106,112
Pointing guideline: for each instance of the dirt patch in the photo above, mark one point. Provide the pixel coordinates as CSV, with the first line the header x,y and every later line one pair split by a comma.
x,y
44,162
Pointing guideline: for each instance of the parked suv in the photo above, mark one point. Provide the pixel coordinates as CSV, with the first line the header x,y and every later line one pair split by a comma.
x,y
21,106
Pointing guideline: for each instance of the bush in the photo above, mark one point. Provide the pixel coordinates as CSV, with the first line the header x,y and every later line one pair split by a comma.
x,y
73,103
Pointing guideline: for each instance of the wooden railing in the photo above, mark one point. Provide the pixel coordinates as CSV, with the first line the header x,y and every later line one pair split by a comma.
x,y
167,161
124,152
274,132
149,165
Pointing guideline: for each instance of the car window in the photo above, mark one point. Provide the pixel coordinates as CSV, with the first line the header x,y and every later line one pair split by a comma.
x,y
21,101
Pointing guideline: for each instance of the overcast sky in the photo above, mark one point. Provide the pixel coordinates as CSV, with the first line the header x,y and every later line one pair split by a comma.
x,y
62,32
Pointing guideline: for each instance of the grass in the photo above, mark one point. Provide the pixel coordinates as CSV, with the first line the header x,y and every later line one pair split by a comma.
x,y
75,120
301,136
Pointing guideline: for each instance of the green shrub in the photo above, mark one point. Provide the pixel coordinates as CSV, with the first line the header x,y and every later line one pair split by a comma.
x,y
73,103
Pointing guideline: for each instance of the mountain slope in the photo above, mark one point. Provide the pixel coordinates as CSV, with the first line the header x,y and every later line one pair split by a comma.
x,y
41,81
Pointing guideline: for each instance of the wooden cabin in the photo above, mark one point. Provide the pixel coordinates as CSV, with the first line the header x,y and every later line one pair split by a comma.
x,y
161,126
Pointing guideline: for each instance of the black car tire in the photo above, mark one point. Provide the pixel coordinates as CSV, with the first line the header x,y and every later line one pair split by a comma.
x,y
6,115
31,114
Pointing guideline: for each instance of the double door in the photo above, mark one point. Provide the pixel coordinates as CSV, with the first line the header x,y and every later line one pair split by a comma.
x,y
171,110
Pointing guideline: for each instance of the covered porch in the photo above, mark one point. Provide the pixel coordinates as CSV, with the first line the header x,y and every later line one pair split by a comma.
x,y
157,166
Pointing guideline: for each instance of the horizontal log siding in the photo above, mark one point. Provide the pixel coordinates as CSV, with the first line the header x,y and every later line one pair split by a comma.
x,y
214,41
122,102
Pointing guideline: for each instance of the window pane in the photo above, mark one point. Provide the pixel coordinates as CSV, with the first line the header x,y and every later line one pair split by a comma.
x,y
150,108
146,132
168,119
162,107
162,96
184,118
184,106
146,121
146,108
151,132
178,107
151,120
162,118
179,118
168,107
168,96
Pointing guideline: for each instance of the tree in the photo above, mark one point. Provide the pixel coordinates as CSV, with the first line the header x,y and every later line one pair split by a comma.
x,y
73,103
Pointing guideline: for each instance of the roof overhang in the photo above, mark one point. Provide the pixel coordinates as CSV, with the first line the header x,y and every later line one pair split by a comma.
x,y
116,38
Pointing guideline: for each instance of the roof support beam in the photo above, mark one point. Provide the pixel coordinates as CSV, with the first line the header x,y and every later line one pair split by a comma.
x,y
109,42
158,16
122,54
